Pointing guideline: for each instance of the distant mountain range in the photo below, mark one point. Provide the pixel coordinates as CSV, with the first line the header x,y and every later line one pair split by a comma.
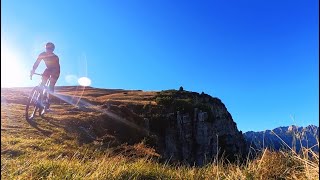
x,y
293,137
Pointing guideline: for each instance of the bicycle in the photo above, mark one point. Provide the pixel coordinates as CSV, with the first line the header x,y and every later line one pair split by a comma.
x,y
38,100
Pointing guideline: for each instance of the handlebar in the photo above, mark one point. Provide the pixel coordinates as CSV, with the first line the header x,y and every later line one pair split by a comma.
x,y
37,74
48,80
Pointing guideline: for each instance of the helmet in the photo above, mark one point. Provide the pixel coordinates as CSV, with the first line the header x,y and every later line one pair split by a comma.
x,y
50,46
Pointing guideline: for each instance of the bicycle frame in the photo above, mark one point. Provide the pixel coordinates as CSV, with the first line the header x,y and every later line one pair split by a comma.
x,y
45,87
37,103
48,80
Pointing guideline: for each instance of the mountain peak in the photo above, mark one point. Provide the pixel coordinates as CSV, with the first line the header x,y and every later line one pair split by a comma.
x,y
282,137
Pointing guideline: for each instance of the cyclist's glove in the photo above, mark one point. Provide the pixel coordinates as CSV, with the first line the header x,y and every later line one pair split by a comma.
x,y
31,73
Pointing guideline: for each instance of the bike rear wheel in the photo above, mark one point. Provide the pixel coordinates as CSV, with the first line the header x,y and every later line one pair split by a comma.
x,y
33,104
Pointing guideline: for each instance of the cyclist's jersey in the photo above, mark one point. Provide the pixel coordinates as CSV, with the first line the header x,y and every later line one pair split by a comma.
x,y
51,60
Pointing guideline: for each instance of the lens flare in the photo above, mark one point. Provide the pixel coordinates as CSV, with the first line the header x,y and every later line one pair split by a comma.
x,y
71,79
84,81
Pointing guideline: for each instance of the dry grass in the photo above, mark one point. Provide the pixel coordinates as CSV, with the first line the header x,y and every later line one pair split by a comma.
x,y
90,165
48,150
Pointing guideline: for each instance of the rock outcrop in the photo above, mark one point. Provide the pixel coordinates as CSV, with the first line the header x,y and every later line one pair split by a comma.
x,y
199,131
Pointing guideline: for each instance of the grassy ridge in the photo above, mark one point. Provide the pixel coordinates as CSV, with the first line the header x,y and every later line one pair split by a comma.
x,y
49,149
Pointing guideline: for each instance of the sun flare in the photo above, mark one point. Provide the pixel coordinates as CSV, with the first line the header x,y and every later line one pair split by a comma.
x,y
84,81
12,74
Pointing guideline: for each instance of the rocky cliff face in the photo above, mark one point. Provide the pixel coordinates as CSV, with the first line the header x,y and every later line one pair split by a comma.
x,y
293,137
195,128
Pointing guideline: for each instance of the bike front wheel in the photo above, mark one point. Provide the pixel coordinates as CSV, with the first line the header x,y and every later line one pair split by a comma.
x,y
33,104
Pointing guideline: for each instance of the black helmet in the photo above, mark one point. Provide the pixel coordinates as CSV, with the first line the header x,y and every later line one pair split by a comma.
x,y
50,46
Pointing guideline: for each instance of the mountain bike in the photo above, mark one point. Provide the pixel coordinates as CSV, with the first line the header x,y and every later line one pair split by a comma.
x,y
38,100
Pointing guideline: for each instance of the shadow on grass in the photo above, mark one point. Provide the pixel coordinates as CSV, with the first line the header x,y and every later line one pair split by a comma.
x,y
52,121
35,125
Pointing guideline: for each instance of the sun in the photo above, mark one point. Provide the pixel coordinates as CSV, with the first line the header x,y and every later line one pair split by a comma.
x,y
12,74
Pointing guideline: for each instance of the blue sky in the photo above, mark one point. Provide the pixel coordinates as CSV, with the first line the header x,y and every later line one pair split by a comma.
x,y
260,58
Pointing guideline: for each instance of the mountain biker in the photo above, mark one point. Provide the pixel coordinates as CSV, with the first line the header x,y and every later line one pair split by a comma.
x,y
53,68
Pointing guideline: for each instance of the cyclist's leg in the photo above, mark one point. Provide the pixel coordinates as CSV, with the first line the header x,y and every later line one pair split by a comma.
x,y
53,80
45,76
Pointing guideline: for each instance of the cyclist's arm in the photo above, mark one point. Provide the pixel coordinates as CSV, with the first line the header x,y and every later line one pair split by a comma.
x,y
36,64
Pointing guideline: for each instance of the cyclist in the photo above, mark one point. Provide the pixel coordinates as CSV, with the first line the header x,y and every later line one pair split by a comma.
x,y
53,68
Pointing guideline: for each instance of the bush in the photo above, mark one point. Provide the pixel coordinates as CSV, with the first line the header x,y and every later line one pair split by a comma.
x,y
183,105
166,100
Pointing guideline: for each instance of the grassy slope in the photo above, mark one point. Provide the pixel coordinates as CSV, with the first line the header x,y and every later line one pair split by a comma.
x,y
49,147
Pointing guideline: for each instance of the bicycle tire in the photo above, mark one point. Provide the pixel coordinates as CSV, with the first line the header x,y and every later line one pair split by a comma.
x,y
33,104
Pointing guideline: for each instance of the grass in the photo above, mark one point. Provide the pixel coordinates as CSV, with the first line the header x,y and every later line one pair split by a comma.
x,y
91,165
49,150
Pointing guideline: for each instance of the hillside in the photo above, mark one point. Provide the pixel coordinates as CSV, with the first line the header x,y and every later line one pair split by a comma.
x,y
128,134
183,127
